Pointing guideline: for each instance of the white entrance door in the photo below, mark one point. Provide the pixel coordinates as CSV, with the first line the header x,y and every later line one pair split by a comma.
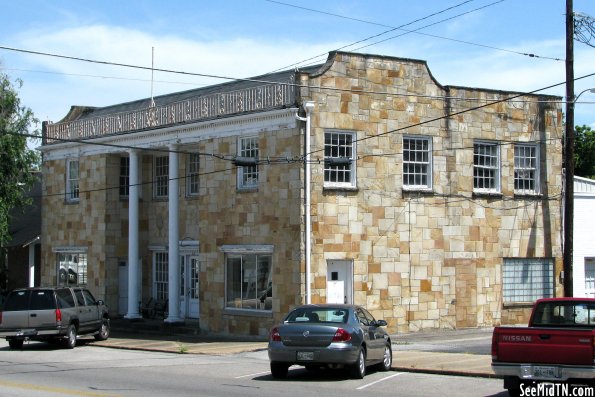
x,y
339,286
189,268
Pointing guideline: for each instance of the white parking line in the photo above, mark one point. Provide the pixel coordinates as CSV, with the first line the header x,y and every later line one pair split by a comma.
x,y
379,380
247,376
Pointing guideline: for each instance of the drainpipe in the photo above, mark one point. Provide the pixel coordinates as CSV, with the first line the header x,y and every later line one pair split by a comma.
x,y
308,107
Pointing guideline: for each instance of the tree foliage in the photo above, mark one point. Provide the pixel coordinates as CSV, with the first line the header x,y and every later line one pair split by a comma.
x,y
17,161
584,151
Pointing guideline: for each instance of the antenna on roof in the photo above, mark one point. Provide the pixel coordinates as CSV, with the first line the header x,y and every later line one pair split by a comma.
x,y
152,70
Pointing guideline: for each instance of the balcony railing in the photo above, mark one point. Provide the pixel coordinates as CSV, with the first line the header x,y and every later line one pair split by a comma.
x,y
258,98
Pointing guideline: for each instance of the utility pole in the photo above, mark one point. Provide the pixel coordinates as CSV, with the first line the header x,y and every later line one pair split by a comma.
x,y
569,152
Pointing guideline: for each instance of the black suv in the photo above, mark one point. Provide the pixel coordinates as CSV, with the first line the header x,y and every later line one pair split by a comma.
x,y
52,313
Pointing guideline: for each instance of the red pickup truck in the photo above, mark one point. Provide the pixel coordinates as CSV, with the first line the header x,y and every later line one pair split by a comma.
x,y
557,347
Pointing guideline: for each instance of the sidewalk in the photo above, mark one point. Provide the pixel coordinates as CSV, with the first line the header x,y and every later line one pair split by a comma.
x,y
436,352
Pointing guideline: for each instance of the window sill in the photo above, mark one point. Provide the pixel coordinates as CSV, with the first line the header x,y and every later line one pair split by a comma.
x,y
247,312
487,194
247,189
528,195
72,202
340,188
420,190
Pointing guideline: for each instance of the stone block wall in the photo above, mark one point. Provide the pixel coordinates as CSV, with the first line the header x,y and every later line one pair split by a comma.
x,y
429,259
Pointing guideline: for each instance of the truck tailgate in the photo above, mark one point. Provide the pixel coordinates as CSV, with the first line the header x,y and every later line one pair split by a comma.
x,y
544,345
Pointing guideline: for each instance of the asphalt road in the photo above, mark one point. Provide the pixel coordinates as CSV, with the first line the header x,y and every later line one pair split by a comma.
x,y
46,370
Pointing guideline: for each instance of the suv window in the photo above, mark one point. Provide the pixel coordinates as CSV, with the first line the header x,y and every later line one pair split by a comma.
x,y
89,298
79,297
42,300
17,301
65,298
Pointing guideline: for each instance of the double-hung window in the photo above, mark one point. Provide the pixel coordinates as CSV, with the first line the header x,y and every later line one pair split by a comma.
x,y
124,176
248,153
72,180
248,278
160,275
339,159
486,167
526,169
417,162
161,172
192,175
527,279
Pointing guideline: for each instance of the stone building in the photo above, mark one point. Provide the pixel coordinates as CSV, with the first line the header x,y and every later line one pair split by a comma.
x,y
360,180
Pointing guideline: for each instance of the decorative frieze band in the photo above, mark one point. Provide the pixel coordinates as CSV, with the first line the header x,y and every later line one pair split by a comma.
x,y
263,97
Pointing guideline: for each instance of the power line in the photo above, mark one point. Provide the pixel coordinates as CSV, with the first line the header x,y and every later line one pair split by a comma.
x,y
379,34
286,160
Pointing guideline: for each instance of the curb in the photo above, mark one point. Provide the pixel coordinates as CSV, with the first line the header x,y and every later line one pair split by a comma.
x,y
447,372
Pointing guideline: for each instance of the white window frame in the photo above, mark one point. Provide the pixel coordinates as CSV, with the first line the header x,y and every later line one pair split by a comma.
x,y
490,163
526,168
253,295
161,177
415,167
336,148
248,175
73,180
192,174
71,266
525,280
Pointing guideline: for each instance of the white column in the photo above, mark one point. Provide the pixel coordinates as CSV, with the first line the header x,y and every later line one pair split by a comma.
x,y
134,296
32,264
174,239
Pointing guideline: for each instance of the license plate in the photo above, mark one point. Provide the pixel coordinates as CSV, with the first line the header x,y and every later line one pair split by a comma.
x,y
27,332
305,356
545,372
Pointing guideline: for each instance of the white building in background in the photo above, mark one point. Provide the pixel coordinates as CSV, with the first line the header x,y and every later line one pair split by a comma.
x,y
583,262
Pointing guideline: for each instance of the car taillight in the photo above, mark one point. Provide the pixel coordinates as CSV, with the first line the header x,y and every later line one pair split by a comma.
x,y
341,336
495,346
275,336
58,315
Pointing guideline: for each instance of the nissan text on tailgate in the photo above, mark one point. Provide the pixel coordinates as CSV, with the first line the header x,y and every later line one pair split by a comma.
x,y
556,349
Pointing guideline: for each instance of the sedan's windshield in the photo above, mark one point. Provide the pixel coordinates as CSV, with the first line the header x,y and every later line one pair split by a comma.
x,y
318,315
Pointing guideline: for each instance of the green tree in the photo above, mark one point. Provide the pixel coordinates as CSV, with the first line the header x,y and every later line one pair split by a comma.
x,y
16,159
584,151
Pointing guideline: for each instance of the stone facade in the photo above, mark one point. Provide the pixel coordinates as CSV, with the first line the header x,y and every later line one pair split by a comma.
x,y
420,258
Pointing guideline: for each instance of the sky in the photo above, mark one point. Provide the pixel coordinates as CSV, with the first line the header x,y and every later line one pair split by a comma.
x,y
472,43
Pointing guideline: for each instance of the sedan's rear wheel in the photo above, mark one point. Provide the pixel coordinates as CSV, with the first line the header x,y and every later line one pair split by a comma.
x,y
279,370
387,360
358,369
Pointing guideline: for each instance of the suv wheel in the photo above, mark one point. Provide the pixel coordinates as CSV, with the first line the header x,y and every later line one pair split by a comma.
x,y
15,344
103,333
70,341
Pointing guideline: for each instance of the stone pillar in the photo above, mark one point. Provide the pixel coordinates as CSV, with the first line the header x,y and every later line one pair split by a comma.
x,y
174,239
134,284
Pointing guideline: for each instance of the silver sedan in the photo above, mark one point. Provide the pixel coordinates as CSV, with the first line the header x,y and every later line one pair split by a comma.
x,y
334,336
